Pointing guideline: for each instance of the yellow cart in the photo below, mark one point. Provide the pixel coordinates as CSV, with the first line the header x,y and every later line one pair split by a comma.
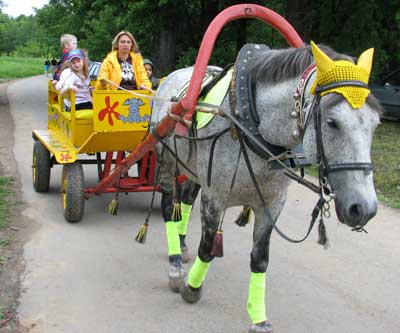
x,y
118,122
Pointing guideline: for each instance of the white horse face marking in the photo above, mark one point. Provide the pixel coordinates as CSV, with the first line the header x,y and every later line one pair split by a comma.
x,y
347,136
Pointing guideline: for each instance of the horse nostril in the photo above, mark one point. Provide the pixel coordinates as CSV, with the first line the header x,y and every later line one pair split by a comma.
x,y
356,213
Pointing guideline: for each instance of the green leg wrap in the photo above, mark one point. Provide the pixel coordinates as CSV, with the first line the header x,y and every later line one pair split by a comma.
x,y
198,273
182,224
172,238
256,300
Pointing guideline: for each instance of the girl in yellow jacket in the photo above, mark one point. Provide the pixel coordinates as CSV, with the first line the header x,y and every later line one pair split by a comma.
x,y
123,66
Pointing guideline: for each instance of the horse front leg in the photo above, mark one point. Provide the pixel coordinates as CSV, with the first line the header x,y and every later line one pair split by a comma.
x,y
256,307
190,191
176,273
191,290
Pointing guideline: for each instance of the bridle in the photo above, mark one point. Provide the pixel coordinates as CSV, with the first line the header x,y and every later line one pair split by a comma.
x,y
324,168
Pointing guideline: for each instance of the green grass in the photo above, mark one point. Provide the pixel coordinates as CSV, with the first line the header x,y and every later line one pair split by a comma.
x,y
5,241
5,186
2,312
386,159
18,67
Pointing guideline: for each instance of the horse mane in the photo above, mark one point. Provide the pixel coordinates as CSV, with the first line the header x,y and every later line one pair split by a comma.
x,y
279,65
285,64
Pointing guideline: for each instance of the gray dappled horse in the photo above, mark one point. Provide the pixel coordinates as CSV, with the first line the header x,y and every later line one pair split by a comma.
x,y
335,123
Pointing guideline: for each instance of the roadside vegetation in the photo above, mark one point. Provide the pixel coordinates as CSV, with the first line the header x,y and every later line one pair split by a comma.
x,y
7,204
19,67
385,156
5,187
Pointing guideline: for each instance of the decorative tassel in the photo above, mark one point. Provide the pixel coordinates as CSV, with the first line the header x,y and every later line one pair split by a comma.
x,y
142,233
217,249
322,238
244,217
113,207
176,211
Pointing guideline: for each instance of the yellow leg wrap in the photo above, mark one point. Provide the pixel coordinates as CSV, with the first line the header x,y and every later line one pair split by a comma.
x,y
198,273
256,301
182,224
172,238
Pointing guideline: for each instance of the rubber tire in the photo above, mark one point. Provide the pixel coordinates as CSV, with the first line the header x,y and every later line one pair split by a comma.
x,y
41,165
73,192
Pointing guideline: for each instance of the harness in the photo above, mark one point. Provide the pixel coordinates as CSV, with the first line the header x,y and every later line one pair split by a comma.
x,y
241,99
324,168
245,122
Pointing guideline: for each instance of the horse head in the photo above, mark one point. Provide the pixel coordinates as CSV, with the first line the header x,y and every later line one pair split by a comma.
x,y
339,135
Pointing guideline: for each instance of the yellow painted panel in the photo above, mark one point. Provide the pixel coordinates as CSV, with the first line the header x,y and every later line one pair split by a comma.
x,y
112,141
115,111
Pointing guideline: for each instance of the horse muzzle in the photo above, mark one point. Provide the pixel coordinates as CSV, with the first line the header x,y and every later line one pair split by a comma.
x,y
354,210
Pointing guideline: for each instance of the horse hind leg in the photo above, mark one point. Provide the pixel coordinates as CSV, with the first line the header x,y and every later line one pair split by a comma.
x,y
191,290
190,192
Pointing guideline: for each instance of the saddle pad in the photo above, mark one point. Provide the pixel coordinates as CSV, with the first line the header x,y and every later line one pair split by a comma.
x,y
214,97
209,76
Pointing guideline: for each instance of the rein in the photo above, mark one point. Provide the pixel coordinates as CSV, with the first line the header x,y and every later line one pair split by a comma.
x,y
154,98
324,168
316,211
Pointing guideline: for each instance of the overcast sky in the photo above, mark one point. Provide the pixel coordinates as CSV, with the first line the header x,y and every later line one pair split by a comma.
x,y
15,8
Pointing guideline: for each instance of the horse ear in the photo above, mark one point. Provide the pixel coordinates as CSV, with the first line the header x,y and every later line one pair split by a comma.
x,y
323,62
365,60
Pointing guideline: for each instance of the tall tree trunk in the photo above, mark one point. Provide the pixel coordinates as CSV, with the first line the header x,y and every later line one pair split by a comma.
x,y
166,50
241,39
298,14
209,9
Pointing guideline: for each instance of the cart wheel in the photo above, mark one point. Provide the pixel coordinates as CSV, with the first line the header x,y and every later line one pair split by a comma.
x,y
73,192
41,167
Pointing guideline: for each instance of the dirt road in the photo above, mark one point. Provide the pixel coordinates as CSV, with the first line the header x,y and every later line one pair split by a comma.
x,y
92,276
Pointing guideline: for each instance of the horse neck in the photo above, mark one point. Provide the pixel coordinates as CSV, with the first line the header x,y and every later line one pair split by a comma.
x,y
275,104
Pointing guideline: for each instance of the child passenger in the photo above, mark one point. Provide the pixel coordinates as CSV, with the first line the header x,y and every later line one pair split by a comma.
x,y
68,43
76,79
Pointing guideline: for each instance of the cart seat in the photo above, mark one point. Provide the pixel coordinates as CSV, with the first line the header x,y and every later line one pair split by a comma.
x,y
86,114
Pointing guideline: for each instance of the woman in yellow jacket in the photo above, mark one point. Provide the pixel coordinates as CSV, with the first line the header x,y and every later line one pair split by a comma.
x,y
123,66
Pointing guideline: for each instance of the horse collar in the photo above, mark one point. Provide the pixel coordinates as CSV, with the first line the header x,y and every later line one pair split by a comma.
x,y
241,99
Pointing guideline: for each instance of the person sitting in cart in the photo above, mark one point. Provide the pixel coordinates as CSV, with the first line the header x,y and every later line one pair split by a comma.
x,y
123,66
155,81
68,43
76,79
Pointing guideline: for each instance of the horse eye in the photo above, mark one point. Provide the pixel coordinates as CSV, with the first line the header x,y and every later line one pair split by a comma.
x,y
331,123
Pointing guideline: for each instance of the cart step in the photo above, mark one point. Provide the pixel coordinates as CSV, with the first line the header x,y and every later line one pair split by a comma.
x,y
62,150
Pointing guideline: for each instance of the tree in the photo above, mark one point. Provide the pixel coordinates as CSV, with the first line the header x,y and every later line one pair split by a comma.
x,y
170,31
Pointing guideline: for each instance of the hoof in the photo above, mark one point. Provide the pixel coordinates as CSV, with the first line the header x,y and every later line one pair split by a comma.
x,y
263,327
176,277
185,254
189,294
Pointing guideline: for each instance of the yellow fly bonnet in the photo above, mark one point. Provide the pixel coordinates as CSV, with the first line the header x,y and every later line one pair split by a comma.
x,y
329,72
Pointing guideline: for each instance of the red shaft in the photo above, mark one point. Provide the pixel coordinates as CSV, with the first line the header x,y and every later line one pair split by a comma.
x,y
162,129
188,103
227,15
